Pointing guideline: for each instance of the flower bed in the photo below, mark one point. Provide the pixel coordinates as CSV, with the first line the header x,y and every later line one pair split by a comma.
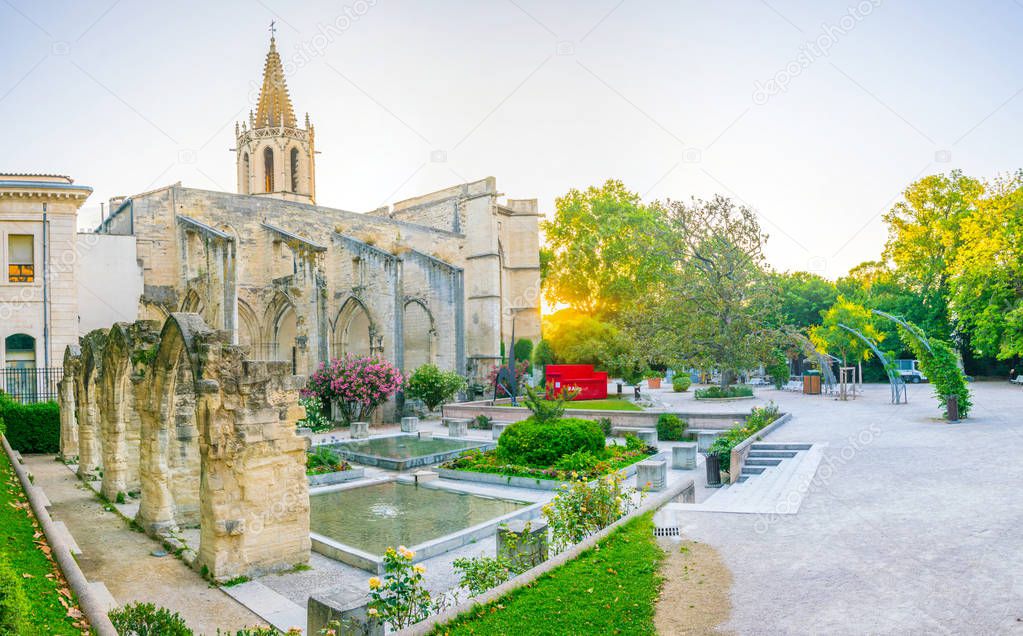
x,y
616,458
727,393
758,419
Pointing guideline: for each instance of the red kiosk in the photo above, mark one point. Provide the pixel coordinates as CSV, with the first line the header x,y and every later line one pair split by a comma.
x,y
592,384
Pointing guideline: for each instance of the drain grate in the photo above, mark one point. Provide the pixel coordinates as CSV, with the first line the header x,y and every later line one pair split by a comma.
x,y
667,532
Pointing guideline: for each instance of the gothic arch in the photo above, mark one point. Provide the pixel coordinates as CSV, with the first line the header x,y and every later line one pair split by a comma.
x,y
268,169
90,451
120,426
192,303
280,324
249,332
420,335
353,329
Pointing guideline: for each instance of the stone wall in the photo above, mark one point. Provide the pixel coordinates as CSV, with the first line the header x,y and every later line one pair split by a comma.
x,y
177,416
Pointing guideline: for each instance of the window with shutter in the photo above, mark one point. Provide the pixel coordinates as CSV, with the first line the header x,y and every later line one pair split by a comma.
x,y
20,258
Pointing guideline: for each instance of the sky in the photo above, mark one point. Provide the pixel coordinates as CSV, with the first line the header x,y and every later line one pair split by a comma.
x,y
816,114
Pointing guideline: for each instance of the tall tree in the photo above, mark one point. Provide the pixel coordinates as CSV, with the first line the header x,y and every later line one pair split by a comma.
x,y
987,273
601,252
804,297
830,337
718,311
924,239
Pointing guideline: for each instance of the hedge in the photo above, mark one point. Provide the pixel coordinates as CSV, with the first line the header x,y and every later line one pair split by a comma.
x,y
30,428
541,444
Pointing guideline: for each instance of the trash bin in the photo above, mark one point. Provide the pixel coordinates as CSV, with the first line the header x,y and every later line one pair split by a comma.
x,y
812,382
713,470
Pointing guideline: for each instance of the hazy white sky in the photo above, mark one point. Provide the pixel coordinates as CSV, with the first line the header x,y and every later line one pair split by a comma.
x,y
816,113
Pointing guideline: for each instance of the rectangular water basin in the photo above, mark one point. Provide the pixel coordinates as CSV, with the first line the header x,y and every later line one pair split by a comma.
x,y
404,451
356,525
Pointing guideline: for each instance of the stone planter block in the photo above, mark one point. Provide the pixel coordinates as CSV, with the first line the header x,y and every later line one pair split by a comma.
x,y
523,541
497,429
409,424
650,437
683,456
425,434
705,438
354,620
652,472
360,430
457,427
423,476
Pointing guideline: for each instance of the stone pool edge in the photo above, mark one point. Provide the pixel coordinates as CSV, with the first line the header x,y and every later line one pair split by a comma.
x,y
400,465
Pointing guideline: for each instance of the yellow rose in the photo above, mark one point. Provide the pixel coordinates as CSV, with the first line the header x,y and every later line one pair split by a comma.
x,y
374,583
418,568
372,611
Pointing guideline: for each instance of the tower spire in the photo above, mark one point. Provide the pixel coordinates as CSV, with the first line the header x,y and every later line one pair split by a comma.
x,y
274,101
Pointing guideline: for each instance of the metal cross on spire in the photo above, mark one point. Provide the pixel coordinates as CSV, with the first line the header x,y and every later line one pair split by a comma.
x,y
273,29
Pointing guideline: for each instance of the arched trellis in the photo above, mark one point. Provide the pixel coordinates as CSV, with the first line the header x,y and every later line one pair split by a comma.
x,y
910,328
898,386
810,351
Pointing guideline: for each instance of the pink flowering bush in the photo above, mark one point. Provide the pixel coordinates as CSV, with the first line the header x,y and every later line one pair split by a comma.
x,y
357,384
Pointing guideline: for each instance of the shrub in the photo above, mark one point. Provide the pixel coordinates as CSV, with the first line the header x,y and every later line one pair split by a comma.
x,y
605,425
524,351
401,598
579,509
324,460
542,356
358,384
579,461
680,383
547,407
31,428
716,392
315,419
482,422
482,573
671,428
778,370
13,602
433,386
145,619
534,443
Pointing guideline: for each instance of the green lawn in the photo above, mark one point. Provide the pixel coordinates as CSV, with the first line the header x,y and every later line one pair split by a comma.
x,y
18,542
607,404
608,590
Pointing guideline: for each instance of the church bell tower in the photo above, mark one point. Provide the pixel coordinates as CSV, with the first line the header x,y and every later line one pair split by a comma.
x,y
275,157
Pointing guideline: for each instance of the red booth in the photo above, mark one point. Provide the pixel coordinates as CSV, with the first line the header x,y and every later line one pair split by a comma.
x,y
593,384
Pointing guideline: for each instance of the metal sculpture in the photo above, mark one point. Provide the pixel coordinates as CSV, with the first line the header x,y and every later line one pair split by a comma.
x,y
898,385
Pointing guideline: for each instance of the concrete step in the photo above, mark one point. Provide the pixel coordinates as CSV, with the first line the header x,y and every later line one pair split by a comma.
x,y
752,470
761,461
772,446
742,478
771,453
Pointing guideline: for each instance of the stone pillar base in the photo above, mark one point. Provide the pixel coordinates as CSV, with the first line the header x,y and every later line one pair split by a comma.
x,y
683,456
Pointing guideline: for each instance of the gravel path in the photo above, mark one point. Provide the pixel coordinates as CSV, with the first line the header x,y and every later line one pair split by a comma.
x,y
912,526
121,559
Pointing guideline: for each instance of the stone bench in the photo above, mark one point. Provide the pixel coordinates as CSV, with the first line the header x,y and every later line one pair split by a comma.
x,y
683,456
652,472
457,427
360,430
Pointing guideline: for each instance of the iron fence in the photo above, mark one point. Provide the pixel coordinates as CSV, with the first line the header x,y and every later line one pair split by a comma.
x,y
31,384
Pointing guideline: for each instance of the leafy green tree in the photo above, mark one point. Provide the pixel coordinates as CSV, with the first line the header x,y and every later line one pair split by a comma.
x,y
599,252
804,297
829,337
543,355
987,274
719,309
433,386
924,239
524,350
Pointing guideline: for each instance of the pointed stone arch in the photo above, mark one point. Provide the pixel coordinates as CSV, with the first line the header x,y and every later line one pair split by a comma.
x,y
127,352
281,326
90,450
354,329
249,330
420,335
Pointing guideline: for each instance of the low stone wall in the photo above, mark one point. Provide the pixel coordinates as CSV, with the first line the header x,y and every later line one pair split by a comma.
x,y
339,477
640,419
741,450
92,605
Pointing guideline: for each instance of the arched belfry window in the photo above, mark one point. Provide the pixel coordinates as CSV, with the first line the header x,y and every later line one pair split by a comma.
x,y
294,169
268,169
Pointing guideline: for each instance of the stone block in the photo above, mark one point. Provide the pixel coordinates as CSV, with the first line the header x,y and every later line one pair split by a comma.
x,y
497,428
360,430
652,474
704,439
425,434
409,424
523,541
457,427
346,620
683,456
650,437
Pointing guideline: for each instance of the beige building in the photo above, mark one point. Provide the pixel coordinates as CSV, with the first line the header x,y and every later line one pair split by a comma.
x,y
438,278
38,291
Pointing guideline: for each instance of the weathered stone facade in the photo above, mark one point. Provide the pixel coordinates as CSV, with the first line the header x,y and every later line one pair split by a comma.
x,y
179,418
438,278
